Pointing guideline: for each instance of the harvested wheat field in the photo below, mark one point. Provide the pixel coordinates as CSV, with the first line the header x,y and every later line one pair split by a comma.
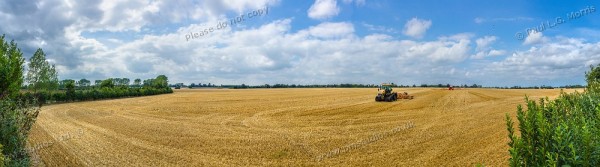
x,y
281,127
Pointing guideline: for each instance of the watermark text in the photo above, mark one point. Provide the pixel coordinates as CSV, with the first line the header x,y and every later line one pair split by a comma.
x,y
230,22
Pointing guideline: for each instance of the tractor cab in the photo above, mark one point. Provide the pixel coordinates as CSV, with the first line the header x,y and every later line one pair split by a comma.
x,y
385,89
385,93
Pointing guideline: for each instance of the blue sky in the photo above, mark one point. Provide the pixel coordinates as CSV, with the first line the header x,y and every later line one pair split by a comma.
x,y
313,42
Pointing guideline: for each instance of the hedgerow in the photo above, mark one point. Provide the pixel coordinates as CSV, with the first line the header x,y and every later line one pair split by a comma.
x,y
94,94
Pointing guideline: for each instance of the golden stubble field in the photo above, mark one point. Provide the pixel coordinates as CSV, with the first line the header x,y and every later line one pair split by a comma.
x,y
281,127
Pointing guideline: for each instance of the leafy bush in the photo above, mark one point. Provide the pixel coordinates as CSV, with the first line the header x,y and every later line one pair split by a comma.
x,y
16,119
2,159
564,131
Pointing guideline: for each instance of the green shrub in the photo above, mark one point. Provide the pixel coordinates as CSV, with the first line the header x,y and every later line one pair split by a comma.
x,y
564,131
16,119
1,157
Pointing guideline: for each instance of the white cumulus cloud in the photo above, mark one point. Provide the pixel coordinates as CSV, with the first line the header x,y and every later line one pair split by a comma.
x,y
534,37
323,9
483,43
416,28
329,30
484,48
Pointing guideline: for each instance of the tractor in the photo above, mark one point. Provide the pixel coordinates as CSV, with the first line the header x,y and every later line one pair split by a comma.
x,y
386,94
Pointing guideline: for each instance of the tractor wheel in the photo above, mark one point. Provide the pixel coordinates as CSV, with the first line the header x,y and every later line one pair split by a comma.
x,y
379,98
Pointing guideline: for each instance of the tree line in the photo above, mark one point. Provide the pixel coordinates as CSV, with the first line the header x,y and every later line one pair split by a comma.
x,y
343,85
70,90
43,85
348,85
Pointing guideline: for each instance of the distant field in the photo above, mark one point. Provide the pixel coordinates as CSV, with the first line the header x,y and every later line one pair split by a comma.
x,y
287,127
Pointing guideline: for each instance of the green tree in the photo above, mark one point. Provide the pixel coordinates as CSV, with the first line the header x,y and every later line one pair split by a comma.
x,y
63,83
593,78
41,75
149,82
11,68
161,81
137,82
107,83
97,82
116,81
70,87
84,83
593,75
125,81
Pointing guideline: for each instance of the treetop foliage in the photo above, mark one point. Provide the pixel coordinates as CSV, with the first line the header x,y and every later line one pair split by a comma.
x,y
107,83
161,81
84,82
594,74
593,78
11,69
41,75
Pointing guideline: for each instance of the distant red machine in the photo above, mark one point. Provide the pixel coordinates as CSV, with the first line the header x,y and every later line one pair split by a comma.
x,y
450,87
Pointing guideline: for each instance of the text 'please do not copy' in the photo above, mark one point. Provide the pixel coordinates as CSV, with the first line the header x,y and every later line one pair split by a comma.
x,y
224,24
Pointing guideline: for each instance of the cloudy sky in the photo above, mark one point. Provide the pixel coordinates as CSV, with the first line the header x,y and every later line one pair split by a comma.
x,y
500,43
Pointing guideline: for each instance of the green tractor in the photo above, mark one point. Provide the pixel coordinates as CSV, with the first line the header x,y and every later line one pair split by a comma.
x,y
385,93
